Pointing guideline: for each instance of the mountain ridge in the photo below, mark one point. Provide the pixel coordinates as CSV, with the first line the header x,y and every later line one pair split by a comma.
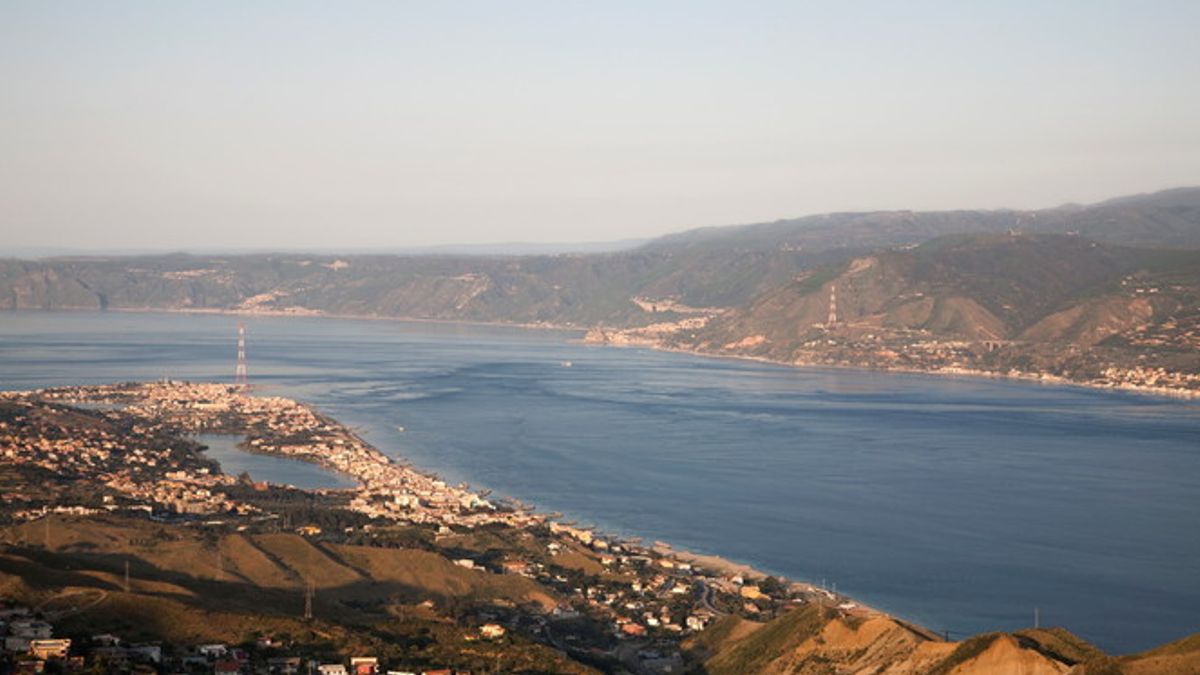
x,y
1104,294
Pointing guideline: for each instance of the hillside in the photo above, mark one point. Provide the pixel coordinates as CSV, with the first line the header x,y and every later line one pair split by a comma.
x,y
710,267
998,287
1166,219
192,587
187,586
1055,305
569,290
816,640
1116,280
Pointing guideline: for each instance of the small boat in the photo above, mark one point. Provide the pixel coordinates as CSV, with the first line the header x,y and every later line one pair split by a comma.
x,y
399,428
566,364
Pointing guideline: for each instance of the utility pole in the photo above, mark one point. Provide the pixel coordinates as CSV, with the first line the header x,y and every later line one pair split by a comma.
x,y
309,591
1037,617
220,563
126,576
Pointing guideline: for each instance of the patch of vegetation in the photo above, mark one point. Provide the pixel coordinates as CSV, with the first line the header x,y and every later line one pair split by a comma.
x,y
818,278
1059,644
967,650
753,653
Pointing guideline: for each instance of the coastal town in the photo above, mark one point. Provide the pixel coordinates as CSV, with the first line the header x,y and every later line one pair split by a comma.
x,y
128,451
868,345
272,426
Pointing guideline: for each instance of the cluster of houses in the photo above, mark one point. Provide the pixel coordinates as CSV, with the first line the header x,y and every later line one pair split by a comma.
x,y
1154,378
29,642
274,426
30,646
134,471
651,599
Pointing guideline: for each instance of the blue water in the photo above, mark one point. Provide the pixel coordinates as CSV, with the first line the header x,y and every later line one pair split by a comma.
x,y
279,470
962,504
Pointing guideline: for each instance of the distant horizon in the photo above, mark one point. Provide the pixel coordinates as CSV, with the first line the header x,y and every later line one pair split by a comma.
x,y
484,248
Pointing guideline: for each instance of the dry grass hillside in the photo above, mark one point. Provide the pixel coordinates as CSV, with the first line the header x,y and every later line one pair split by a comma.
x,y
187,586
815,640
267,562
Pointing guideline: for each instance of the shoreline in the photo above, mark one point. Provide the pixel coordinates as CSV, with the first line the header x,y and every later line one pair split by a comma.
x,y
1032,378
710,562
201,410
724,562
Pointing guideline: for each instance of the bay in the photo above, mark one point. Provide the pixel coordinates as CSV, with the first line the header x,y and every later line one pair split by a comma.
x,y
959,503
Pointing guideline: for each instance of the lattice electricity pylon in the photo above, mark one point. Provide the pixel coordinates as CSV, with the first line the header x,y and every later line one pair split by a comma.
x,y
832,306
239,375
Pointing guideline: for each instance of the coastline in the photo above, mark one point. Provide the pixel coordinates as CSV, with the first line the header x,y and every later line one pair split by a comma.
x,y
384,440
712,563
320,439
1044,379
709,561
1032,378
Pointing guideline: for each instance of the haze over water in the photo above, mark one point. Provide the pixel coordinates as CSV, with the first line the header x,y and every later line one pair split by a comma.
x,y
961,504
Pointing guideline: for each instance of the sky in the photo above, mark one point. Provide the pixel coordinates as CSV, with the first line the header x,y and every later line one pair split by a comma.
x,y
350,125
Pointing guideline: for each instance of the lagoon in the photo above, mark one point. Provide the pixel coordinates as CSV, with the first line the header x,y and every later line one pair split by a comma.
x,y
278,470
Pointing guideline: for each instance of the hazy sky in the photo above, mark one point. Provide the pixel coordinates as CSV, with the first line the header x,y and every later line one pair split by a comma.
x,y
353,124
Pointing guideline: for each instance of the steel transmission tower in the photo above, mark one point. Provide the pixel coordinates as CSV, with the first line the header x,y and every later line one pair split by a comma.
x,y
832,306
239,375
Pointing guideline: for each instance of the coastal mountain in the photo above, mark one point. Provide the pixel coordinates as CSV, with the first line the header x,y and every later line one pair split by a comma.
x,y
709,267
978,287
1104,293
569,290
1057,305
1166,219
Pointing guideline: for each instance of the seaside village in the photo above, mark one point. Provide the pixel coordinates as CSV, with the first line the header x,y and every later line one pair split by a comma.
x,y
272,426
126,449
